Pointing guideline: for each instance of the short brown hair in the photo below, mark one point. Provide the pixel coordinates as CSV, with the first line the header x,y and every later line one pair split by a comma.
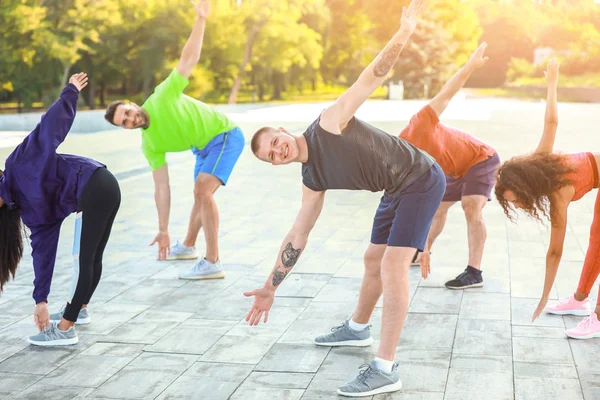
x,y
255,143
110,111
535,180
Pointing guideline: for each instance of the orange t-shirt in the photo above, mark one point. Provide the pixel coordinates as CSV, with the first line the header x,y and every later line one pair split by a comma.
x,y
585,174
454,150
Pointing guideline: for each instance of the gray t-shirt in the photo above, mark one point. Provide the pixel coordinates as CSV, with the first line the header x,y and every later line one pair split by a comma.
x,y
361,158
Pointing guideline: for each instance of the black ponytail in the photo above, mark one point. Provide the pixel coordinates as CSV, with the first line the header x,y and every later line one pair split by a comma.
x,y
11,242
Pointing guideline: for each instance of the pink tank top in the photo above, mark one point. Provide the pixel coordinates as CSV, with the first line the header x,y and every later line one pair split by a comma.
x,y
585,176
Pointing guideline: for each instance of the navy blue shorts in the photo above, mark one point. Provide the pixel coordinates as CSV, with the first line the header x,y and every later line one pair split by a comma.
x,y
220,155
404,220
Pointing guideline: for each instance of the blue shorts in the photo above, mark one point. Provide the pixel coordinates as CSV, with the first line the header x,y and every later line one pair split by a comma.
x,y
404,220
220,155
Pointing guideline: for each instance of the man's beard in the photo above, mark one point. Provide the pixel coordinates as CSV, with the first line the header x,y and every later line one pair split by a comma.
x,y
145,118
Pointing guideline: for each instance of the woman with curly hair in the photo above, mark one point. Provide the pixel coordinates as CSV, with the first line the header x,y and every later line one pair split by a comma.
x,y
41,188
543,185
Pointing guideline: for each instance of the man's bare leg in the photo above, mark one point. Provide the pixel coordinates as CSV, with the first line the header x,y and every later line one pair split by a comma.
x,y
394,276
205,214
371,286
477,233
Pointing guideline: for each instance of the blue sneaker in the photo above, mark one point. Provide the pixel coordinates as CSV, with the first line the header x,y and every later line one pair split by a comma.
x,y
371,381
343,335
203,270
179,251
52,336
82,319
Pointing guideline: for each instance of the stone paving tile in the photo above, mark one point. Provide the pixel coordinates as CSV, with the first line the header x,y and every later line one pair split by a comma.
x,y
218,379
485,306
541,350
423,370
293,358
470,376
479,336
194,336
13,384
40,391
417,331
436,301
547,388
146,377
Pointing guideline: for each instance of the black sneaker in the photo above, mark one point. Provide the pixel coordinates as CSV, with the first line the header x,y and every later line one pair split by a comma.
x,y
471,278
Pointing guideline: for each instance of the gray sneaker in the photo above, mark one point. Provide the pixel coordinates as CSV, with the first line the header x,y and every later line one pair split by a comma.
x,y
203,270
82,319
179,251
371,381
53,336
343,335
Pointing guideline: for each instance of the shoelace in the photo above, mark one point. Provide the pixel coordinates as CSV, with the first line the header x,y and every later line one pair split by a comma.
x,y
564,301
52,332
364,373
586,323
336,328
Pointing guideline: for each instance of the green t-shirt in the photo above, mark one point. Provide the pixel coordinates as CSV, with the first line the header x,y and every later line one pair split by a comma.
x,y
178,122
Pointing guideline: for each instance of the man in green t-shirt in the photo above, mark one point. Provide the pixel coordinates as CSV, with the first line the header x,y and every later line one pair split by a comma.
x,y
173,122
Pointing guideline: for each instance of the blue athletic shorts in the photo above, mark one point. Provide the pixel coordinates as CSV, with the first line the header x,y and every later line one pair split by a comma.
x,y
220,155
404,220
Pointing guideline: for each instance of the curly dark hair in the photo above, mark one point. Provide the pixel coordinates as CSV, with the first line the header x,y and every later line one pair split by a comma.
x,y
534,179
11,242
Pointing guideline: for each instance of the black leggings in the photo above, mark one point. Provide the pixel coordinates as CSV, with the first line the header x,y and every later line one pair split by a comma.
x,y
98,204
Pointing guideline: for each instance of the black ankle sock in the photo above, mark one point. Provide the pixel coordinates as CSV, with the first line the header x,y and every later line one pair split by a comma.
x,y
473,270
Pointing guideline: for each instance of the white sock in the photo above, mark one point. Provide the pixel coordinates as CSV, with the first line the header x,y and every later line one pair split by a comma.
x,y
356,326
384,365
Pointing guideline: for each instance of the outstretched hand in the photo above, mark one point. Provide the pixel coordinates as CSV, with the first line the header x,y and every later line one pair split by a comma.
x,y
477,59
80,80
552,70
202,8
263,301
539,309
164,245
410,14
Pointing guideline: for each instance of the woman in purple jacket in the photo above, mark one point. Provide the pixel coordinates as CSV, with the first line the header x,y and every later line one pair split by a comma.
x,y
41,188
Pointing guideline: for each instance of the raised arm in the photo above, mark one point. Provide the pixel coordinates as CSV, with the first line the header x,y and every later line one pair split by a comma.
x,y
458,80
335,117
546,144
289,253
193,47
56,122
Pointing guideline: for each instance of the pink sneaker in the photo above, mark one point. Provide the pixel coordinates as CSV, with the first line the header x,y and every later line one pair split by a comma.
x,y
587,329
570,306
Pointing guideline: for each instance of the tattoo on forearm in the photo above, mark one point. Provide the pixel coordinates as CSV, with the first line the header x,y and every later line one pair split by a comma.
x,y
278,277
289,255
387,60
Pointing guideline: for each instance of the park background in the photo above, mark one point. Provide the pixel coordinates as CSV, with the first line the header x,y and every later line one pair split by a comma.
x,y
293,50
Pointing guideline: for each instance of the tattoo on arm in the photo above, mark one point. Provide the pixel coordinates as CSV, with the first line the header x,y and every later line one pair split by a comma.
x,y
278,277
289,255
387,60
289,258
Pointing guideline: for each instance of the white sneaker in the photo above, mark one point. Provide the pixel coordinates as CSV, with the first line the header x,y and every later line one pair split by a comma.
x,y
179,251
204,270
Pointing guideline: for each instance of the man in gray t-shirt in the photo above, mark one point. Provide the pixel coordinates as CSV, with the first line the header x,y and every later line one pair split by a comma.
x,y
338,151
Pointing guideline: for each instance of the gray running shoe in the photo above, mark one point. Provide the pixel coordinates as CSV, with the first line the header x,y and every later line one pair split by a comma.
x,y
179,251
371,381
82,319
343,335
203,270
53,336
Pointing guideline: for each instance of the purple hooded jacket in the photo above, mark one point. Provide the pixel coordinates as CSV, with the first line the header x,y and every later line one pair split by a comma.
x,y
45,186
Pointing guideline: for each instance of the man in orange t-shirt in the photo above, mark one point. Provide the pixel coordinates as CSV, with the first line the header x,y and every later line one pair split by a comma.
x,y
470,167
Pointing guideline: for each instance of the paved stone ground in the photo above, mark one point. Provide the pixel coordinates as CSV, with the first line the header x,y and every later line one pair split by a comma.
x,y
153,336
